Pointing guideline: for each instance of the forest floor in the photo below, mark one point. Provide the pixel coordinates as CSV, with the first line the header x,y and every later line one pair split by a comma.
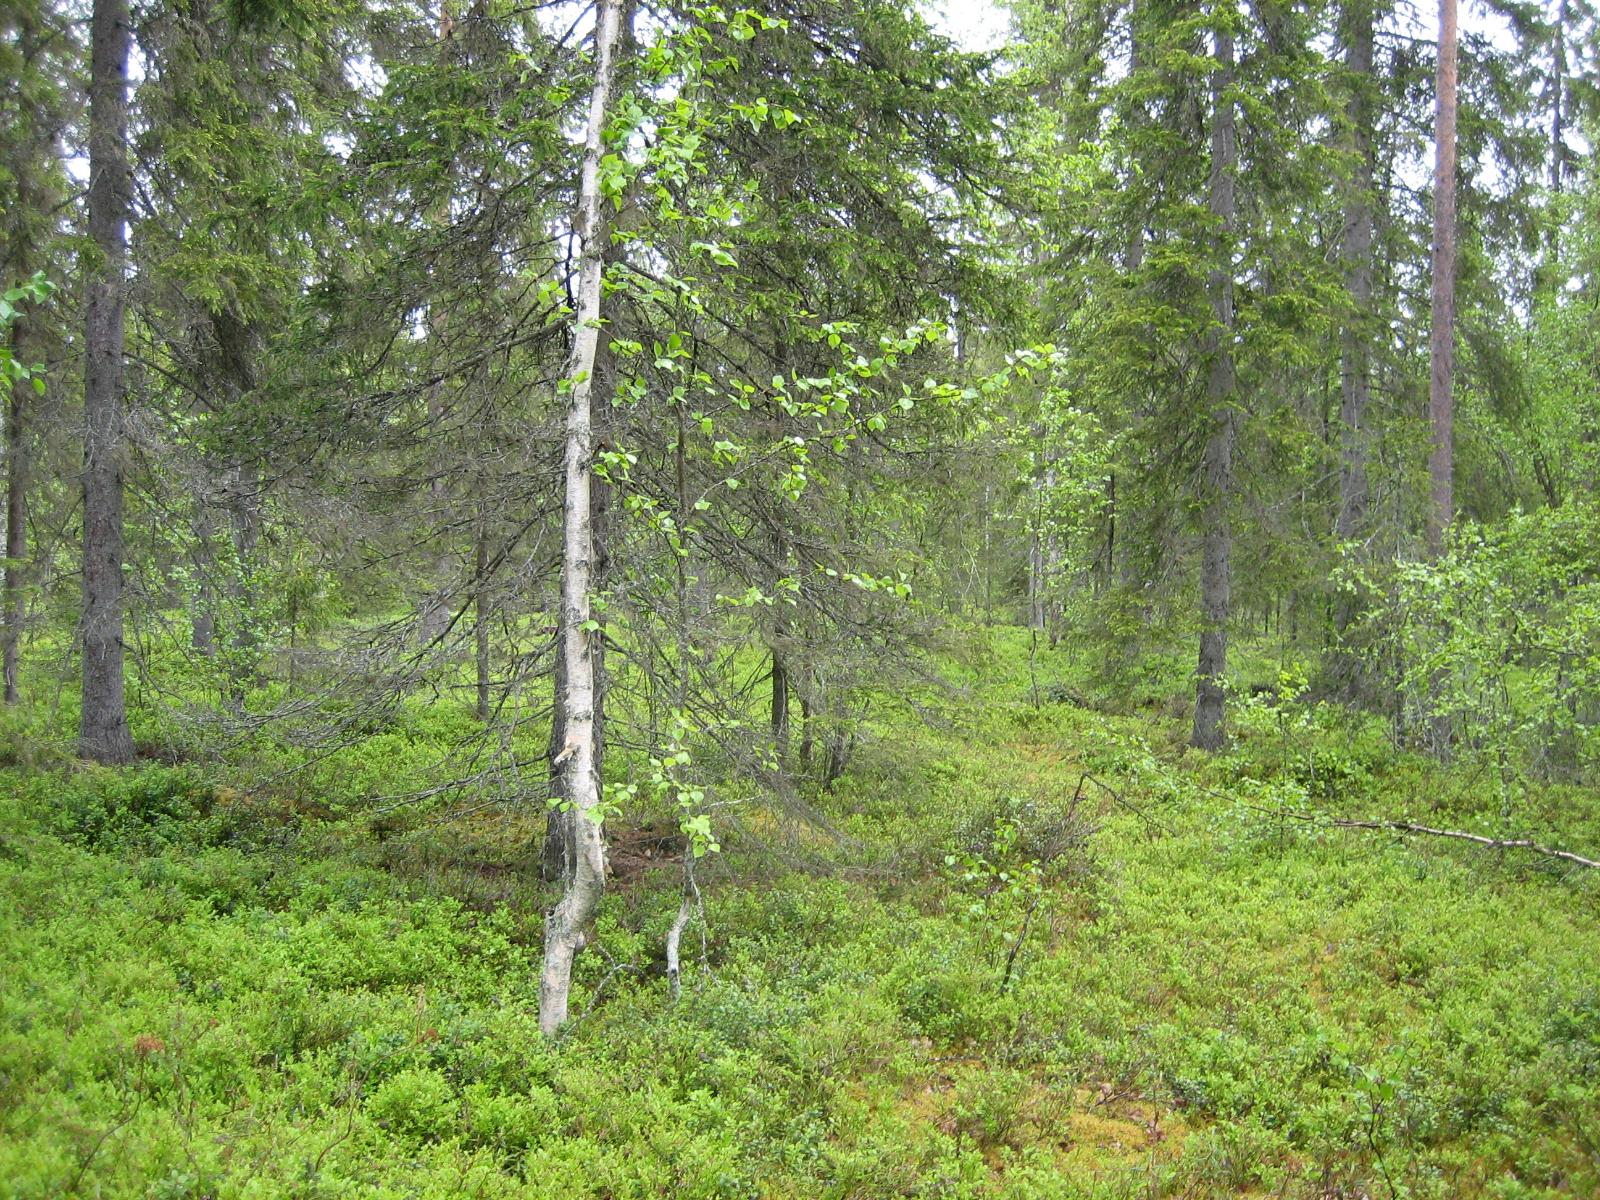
x,y
1029,946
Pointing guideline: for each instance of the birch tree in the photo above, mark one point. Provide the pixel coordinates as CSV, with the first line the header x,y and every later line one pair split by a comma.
x,y
585,870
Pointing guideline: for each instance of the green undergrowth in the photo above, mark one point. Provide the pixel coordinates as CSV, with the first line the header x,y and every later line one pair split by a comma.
x,y
1056,956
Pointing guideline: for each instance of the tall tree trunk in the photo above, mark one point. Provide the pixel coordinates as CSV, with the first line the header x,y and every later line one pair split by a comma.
x,y
1355,353
32,147
555,860
16,513
1035,582
566,924
1355,350
434,618
1441,376
1558,90
808,728
1053,556
238,347
203,636
780,647
1546,276
481,613
103,731
780,707
1216,568
243,485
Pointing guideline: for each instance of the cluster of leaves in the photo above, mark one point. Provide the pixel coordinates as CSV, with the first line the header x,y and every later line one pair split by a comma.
x,y
1492,645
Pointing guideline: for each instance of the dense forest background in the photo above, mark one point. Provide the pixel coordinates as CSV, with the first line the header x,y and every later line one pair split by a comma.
x,y
1010,569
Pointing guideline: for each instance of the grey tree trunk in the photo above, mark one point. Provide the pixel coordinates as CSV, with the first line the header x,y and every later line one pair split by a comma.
x,y
482,607
555,860
103,734
1216,568
238,347
434,617
1355,351
808,729
1441,375
16,515
1036,583
781,642
780,707
243,486
1355,356
1546,276
1558,91
203,636
566,924
32,146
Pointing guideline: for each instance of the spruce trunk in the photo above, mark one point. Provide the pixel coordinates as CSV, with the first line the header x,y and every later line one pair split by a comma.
x,y
103,732
1216,568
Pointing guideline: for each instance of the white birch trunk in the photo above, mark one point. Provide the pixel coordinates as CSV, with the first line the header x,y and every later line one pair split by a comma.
x,y
566,924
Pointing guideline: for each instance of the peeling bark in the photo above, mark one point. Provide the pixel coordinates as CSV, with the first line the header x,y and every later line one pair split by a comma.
x,y
566,924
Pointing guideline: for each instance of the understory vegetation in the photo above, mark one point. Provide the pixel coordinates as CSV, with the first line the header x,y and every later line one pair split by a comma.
x,y
1052,953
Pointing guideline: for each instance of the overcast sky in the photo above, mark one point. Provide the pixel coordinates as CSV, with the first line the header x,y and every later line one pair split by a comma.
x,y
976,24
983,24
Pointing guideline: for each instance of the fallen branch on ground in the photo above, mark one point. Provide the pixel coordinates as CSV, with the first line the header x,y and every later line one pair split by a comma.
x,y
1480,839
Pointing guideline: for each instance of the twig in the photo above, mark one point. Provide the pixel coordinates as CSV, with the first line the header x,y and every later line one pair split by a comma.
x,y
599,988
1016,946
686,909
1112,792
129,1115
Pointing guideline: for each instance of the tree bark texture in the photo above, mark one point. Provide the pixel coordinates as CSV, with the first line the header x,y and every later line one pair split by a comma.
x,y
16,514
566,924
1216,572
103,731
1355,354
1441,375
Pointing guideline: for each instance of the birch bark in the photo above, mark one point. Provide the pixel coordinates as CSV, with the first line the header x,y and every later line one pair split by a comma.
x,y
566,924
